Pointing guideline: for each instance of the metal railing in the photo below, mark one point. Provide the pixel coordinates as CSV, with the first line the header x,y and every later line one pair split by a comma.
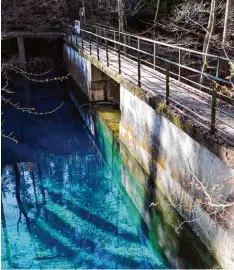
x,y
144,52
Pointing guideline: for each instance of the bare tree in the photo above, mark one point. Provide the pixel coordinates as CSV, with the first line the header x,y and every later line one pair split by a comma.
x,y
156,16
227,25
121,15
208,36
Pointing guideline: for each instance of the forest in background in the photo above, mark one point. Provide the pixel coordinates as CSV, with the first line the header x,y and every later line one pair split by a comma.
x,y
202,25
206,25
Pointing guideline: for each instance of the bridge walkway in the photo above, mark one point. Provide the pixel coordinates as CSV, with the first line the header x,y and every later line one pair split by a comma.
x,y
188,100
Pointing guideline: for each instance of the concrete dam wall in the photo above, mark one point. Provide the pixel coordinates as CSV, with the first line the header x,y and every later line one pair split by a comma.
x,y
194,173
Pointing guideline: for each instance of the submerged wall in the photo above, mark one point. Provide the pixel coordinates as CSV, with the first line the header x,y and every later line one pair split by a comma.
x,y
159,222
171,160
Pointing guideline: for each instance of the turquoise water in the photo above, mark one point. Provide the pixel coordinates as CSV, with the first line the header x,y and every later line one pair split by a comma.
x,y
61,205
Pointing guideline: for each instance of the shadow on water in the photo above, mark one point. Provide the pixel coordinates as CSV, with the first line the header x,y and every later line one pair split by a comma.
x,y
81,245
57,232
18,197
94,219
71,210
5,235
75,209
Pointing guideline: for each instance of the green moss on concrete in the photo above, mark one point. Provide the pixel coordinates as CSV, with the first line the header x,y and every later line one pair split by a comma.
x,y
111,117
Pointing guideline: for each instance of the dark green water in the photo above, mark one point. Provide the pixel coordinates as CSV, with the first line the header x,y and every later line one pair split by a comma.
x,y
61,204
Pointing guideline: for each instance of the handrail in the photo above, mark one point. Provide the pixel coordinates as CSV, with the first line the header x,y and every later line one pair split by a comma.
x,y
160,58
166,44
96,42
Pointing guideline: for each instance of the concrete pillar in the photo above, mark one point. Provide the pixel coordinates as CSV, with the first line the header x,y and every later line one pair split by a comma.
x,y
22,62
21,50
113,91
103,88
98,90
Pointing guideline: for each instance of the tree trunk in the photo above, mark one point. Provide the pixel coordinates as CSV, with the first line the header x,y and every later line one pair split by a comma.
x,y
91,8
121,15
209,33
227,25
224,68
156,16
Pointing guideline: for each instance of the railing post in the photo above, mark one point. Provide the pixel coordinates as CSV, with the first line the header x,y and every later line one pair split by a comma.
x,y
82,40
114,39
154,54
98,56
124,40
119,60
99,33
138,43
217,67
213,109
107,56
96,33
167,83
90,45
139,68
179,73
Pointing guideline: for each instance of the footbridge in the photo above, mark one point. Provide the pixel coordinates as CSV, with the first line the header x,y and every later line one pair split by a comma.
x,y
160,70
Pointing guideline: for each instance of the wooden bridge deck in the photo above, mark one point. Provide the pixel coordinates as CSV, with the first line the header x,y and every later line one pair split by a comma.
x,y
191,101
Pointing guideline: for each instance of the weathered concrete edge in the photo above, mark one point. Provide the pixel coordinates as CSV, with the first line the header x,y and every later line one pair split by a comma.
x,y
115,137
214,143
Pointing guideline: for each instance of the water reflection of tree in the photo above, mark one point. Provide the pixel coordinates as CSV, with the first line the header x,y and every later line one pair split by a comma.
x,y
5,235
18,197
